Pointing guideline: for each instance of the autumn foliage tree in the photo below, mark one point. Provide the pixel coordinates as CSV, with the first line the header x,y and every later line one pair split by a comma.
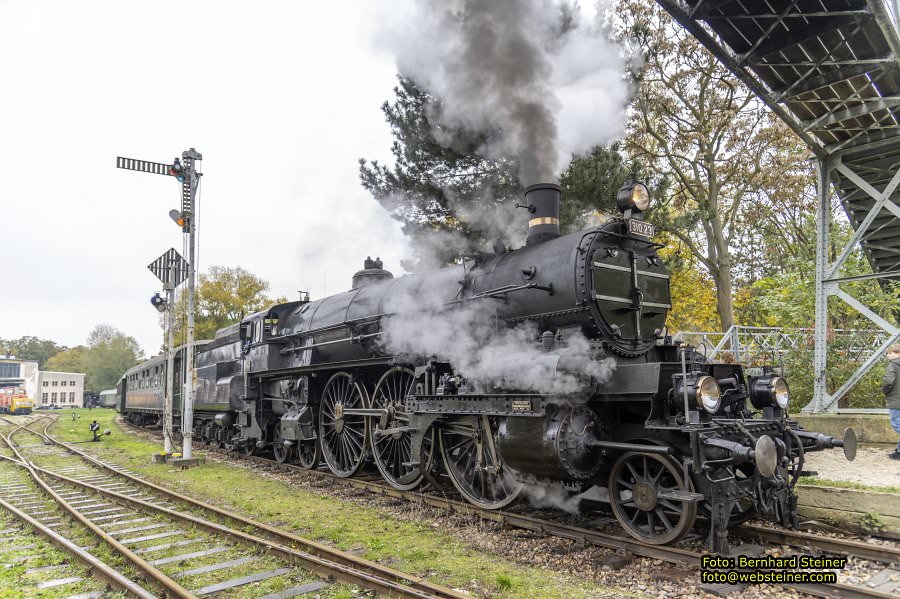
x,y
722,147
224,295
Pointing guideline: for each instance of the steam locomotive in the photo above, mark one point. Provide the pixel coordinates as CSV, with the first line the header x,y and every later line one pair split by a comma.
x,y
670,436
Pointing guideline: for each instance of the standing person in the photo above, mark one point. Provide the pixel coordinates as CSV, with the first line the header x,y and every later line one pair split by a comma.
x,y
891,387
95,430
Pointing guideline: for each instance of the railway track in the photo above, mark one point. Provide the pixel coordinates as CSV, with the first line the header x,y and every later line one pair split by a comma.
x,y
160,532
889,557
756,537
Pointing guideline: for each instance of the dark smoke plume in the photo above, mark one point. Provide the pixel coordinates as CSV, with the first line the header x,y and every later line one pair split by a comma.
x,y
532,74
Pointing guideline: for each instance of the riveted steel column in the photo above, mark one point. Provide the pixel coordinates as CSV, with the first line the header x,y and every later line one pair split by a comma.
x,y
823,224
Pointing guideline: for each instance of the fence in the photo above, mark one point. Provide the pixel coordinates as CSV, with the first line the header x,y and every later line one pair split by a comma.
x,y
789,352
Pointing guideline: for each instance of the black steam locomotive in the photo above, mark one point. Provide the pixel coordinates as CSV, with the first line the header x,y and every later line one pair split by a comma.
x,y
667,434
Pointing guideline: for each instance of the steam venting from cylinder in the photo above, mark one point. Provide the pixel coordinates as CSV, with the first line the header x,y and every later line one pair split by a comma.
x,y
542,200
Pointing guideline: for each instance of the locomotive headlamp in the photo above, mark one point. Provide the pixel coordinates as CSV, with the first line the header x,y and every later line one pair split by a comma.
x,y
633,196
702,391
781,391
708,394
769,390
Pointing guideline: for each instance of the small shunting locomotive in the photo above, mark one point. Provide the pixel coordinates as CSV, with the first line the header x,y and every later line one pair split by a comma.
x,y
667,437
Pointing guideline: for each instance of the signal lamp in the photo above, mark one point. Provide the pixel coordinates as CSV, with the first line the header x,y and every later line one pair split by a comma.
x,y
176,166
179,219
158,302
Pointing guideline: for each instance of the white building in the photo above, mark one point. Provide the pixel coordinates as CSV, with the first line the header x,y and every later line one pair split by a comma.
x,y
64,389
20,373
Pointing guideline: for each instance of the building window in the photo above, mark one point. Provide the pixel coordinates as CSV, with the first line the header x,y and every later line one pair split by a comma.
x,y
54,383
72,397
9,370
53,396
46,383
71,383
43,397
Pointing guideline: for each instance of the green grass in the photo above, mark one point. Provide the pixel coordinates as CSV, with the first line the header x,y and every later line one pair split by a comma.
x,y
815,481
413,547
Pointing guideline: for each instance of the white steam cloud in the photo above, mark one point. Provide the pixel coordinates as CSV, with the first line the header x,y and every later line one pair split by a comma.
x,y
495,221
535,75
487,353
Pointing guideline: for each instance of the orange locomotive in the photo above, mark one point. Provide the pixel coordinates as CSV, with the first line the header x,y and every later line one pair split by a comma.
x,y
13,400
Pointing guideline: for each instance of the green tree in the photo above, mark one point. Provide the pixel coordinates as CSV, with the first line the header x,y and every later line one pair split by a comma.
x,y
589,184
73,359
224,295
438,176
108,354
30,348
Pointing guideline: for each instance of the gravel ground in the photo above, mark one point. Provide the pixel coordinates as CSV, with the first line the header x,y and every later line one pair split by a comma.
x,y
871,466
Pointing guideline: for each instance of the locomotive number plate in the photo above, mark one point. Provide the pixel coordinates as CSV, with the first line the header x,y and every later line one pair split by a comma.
x,y
521,405
639,227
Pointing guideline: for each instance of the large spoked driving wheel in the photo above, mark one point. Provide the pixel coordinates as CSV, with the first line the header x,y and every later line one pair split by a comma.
x,y
343,435
281,451
474,465
308,453
391,443
643,491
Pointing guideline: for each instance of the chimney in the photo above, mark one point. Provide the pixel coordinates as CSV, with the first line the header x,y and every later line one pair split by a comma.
x,y
543,203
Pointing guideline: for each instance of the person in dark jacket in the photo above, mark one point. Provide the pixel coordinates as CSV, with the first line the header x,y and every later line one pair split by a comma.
x,y
95,430
891,387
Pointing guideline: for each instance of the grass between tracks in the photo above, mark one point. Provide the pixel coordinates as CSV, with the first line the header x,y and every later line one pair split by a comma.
x,y
23,551
412,547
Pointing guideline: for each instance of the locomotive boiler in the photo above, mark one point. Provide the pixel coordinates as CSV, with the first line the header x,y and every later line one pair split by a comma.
x,y
599,396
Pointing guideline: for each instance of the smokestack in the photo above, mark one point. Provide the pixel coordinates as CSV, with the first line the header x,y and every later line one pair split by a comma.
x,y
543,203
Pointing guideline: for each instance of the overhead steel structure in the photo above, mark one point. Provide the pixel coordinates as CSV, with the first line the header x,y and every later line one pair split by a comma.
x,y
831,70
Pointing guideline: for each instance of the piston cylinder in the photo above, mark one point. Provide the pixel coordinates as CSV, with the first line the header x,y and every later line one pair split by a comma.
x,y
558,447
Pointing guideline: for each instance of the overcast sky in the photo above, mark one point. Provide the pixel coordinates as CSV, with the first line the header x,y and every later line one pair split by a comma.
x,y
281,98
